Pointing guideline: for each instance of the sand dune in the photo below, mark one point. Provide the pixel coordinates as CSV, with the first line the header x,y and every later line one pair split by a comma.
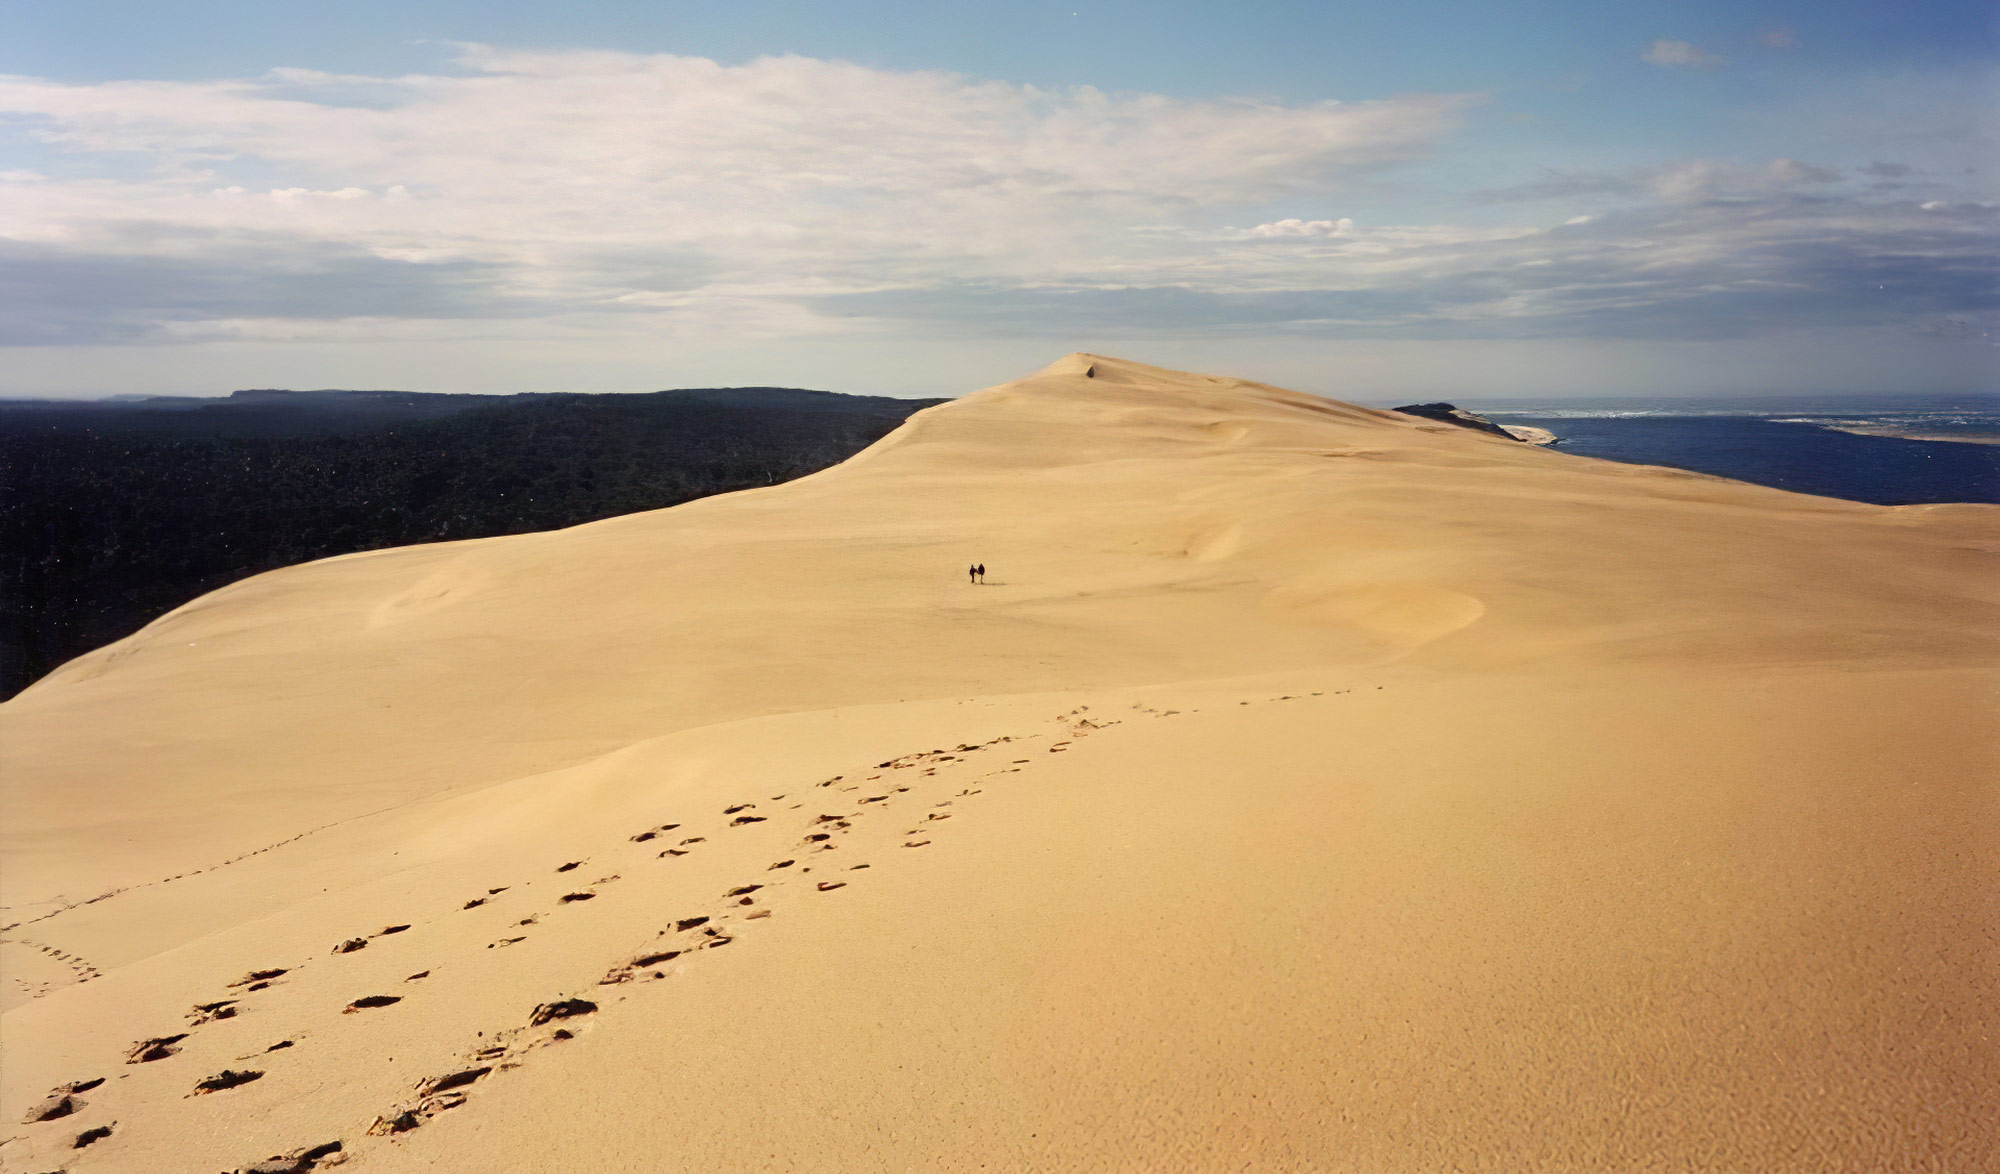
x,y
1310,787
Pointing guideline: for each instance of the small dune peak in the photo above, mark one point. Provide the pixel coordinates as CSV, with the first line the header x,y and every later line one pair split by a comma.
x,y
1103,370
1081,363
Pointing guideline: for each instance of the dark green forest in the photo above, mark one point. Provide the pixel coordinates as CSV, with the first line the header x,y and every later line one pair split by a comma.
x,y
112,514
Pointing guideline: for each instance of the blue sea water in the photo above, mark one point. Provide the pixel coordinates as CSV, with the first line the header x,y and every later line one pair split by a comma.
x,y
1794,443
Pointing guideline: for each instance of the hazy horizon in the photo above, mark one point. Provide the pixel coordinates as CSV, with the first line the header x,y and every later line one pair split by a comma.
x,y
1493,401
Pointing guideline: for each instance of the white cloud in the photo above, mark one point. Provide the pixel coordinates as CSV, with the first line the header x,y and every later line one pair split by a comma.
x,y
1680,55
639,205
1309,228
1778,38
784,175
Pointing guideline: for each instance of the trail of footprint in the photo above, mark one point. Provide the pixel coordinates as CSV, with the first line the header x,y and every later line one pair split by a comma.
x,y
82,970
66,907
440,1093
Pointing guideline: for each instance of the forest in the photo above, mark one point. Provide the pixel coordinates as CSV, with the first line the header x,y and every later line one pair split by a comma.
x,y
113,513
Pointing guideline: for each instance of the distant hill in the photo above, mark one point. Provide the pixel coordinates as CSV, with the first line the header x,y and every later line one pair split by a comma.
x,y
277,412
114,512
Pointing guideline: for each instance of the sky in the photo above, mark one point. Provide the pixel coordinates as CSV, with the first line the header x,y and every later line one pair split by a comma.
x,y
1425,199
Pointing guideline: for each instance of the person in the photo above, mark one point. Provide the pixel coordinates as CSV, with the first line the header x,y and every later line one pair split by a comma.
x,y
972,573
982,572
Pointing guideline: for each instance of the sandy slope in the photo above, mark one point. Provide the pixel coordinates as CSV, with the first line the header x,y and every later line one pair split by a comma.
x,y
1310,788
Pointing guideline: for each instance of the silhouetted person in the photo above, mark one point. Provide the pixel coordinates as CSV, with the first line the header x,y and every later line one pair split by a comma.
x,y
980,570
972,573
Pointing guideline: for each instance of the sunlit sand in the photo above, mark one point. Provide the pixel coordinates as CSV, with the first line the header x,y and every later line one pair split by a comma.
x,y
1308,788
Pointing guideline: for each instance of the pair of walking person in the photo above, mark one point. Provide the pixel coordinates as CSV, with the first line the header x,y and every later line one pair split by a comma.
x,y
976,572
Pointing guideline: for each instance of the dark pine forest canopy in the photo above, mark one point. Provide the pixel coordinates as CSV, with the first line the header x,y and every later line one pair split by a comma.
x,y
113,513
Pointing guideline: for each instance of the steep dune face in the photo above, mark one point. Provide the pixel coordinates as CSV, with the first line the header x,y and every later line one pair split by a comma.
x,y
1258,585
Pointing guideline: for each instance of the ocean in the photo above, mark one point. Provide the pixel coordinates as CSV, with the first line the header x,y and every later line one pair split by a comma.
x,y
1862,448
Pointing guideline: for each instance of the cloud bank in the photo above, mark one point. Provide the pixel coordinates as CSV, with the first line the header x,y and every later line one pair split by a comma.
x,y
636,200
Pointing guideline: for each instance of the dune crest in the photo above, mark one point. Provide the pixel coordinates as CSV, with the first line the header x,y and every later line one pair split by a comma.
x,y
1307,786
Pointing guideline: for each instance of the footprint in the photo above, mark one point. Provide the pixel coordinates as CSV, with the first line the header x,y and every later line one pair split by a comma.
x,y
90,1135
401,1122
505,942
62,1101
353,944
818,838
782,864
280,1046
737,808
829,886
674,852
418,975
296,1162
371,1001
438,1084
739,890
475,903
146,1051
259,976
568,897
687,923
759,913
693,840
740,820
618,974
560,1009
916,844
385,932
210,1012
570,865
227,1078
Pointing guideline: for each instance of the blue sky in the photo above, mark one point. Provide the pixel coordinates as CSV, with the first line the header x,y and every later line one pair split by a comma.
x,y
1365,200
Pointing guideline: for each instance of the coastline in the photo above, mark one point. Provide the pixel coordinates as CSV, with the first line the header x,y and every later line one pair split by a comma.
x,y
1893,433
1529,434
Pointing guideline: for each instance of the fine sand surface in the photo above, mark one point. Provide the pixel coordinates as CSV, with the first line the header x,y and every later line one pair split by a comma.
x,y
1309,788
